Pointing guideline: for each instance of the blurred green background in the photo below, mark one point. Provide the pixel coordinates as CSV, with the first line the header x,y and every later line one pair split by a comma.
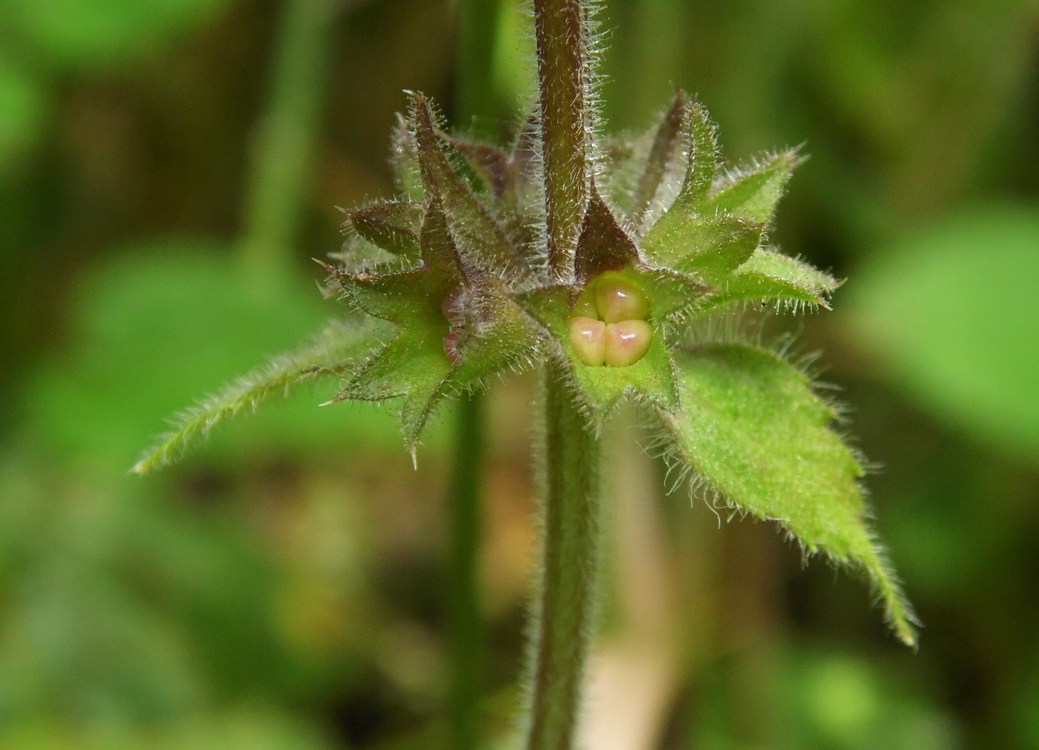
x,y
167,169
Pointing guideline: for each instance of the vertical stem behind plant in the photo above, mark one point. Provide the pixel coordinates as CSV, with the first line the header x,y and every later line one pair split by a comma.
x,y
475,99
283,145
465,643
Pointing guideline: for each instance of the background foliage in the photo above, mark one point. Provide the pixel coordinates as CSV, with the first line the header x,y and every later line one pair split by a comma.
x,y
284,587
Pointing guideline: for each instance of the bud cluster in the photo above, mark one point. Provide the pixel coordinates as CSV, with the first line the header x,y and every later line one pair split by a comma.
x,y
610,323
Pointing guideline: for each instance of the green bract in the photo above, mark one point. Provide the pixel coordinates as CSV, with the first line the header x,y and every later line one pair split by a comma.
x,y
459,266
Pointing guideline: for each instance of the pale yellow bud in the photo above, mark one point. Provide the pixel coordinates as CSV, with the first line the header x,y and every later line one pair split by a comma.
x,y
588,339
627,342
617,299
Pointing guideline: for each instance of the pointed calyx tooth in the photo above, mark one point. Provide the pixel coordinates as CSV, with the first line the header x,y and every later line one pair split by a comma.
x,y
393,226
609,322
603,245
667,152
479,235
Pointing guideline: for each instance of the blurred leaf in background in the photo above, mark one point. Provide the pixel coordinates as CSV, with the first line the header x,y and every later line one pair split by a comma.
x,y
101,33
953,312
23,110
161,325
225,605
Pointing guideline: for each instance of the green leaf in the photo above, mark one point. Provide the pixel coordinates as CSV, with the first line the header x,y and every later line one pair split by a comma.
x,y
393,226
769,276
75,33
754,193
710,247
952,315
456,327
754,432
665,155
480,238
703,160
329,355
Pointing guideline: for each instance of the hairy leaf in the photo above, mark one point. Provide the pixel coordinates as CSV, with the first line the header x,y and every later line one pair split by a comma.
x,y
703,160
754,193
754,432
665,155
710,247
393,226
331,354
771,277
480,237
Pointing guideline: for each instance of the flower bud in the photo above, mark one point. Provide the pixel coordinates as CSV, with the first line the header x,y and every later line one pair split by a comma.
x,y
588,339
617,299
626,342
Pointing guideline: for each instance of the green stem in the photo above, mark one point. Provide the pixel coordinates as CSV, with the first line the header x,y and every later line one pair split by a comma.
x,y
475,99
565,605
465,644
562,38
283,145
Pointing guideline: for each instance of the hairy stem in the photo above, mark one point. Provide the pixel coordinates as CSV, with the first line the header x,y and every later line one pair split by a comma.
x,y
561,32
565,604
565,601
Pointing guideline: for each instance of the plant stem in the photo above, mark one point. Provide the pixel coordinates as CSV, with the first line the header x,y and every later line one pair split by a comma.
x,y
283,145
565,603
562,36
465,646
475,99
565,607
